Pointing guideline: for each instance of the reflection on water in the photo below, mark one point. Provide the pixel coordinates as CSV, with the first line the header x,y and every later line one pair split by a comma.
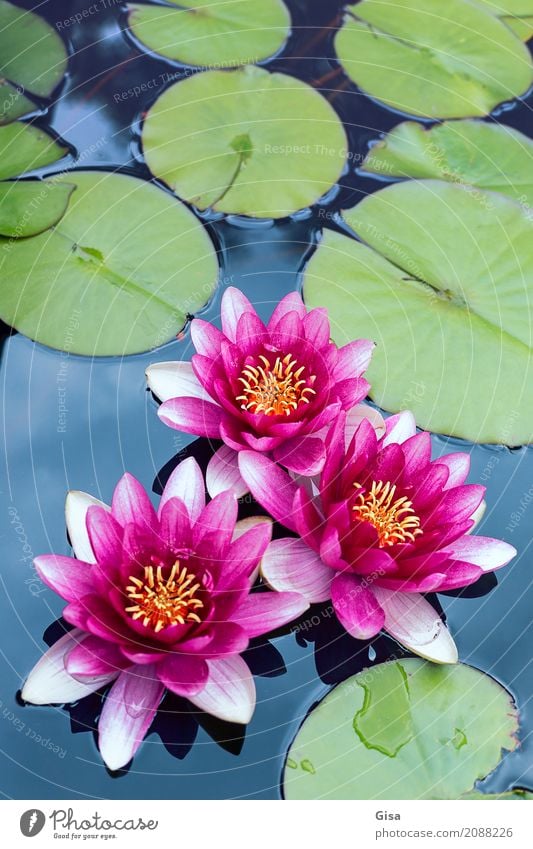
x,y
73,423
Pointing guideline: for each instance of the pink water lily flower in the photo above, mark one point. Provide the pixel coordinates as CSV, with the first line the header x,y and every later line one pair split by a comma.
x,y
385,526
158,600
272,389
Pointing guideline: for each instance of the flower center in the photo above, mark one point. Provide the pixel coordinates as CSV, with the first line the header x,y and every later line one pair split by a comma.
x,y
275,390
393,518
160,601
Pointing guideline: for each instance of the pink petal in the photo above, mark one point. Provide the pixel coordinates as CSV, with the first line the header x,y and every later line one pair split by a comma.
x,y
262,612
356,607
174,380
50,683
184,674
186,483
223,473
354,418
230,691
69,578
94,657
191,415
354,359
459,467
131,504
244,554
127,714
105,535
487,553
316,328
303,455
411,620
399,428
233,305
272,487
290,303
290,565
206,338
76,506
214,528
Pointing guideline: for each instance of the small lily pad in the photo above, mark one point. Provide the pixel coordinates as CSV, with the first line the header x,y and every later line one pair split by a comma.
x,y
245,142
30,207
489,156
205,33
33,59
391,732
118,275
443,59
443,286
24,147
516,14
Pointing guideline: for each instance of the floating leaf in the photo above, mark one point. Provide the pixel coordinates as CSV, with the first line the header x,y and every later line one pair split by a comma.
x,y
212,34
28,208
516,14
118,275
13,103
439,59
246,142
33,57
24,147
489,156
403,730
443,290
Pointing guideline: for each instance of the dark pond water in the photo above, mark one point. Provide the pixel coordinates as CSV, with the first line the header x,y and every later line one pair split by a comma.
x,y
110,425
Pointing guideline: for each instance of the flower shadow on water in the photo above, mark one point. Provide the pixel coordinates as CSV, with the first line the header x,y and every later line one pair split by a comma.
x,y
177,722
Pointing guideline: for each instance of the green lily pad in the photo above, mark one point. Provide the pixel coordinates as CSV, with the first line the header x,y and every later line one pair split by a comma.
x,y
28,208
489,156
403,730
440,59
206,33
246,142
25,148
516,14
33,58
443,288
118,275
13,103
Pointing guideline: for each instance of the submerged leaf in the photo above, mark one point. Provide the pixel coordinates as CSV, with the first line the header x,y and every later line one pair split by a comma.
x,y
246,142
125,266
443,287
209,33
392,731
439,59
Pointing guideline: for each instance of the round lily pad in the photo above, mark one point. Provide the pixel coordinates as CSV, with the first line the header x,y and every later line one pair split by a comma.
x,y
33,59
442,286
442,59
29,207
25,148
118,275
516,14
208,33
246,142
402,730
489,156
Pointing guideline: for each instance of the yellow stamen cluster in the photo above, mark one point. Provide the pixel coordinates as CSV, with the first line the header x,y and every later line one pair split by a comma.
x,y
394,519
161,601
275,390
